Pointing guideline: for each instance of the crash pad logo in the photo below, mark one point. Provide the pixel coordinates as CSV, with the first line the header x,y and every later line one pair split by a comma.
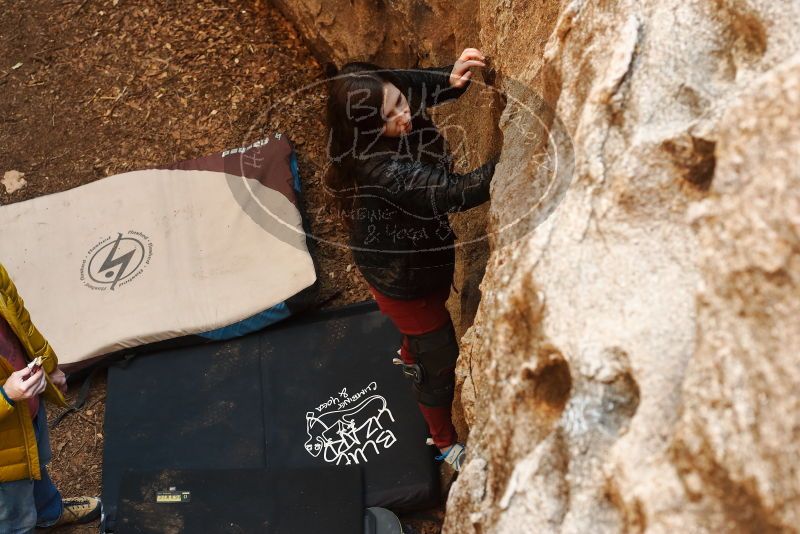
x,y
350,428
116,260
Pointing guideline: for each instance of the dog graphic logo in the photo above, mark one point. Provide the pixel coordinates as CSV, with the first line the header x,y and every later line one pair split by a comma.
x,y
351,433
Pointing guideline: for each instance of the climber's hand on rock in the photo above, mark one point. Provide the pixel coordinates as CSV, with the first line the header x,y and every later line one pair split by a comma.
x,y
470,57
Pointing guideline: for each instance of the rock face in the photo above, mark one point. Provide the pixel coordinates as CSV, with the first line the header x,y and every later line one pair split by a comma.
x,y
634,361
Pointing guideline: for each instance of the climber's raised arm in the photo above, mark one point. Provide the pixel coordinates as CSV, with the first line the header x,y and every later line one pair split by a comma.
x,y
430,190
440,84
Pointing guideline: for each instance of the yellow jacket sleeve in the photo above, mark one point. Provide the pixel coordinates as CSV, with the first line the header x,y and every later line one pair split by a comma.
x,y
38,343
6,405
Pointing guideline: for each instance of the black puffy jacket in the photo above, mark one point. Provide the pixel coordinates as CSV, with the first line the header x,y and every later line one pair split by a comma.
x,y
401,239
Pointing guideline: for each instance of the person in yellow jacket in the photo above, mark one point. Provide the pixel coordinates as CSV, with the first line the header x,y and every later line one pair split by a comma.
x,y
28,498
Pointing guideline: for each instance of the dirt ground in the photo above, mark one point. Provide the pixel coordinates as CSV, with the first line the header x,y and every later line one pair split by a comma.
x,y
92,88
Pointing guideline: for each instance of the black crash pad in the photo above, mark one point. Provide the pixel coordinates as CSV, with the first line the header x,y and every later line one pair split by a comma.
x,y
315,392
241,501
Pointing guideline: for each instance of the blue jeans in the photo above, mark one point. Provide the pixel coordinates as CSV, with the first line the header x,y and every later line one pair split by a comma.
x,y
27,504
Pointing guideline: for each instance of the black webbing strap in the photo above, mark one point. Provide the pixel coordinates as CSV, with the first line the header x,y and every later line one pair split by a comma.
x,y
431,341
83,394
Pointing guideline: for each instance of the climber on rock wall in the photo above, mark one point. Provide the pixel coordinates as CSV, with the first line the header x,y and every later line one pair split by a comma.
x,y
391,176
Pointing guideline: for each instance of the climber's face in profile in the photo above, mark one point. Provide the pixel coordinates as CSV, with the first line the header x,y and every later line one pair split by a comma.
x,y
396,112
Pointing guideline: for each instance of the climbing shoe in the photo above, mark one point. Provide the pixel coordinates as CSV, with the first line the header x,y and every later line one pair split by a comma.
x,y
79,510
454,456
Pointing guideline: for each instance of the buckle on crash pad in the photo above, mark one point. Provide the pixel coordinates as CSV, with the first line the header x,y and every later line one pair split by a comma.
x,y
412,371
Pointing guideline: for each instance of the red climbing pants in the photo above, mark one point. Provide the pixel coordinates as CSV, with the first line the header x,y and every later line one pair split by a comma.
x,y
415,317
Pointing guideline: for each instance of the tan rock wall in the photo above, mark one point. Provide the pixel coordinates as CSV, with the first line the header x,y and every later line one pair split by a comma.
x,y
634,362
737,444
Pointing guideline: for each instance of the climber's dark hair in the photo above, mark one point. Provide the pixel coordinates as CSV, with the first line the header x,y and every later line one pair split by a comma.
x,y
331,70
354,117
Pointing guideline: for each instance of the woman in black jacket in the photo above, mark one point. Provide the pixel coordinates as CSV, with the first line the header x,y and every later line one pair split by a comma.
x,y
391,174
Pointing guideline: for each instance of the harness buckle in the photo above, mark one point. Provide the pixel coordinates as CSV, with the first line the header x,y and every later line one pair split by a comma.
x,y
412,371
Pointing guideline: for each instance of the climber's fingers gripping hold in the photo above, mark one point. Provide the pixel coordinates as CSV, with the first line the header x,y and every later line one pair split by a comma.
x,y
470,57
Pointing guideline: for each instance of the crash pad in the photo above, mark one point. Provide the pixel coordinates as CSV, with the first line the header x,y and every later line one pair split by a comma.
x,y
318,390
213,248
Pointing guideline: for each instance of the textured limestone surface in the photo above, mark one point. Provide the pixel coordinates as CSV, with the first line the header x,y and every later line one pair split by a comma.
x,y
630,358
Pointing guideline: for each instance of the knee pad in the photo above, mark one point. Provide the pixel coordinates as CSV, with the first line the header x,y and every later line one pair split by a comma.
x,y
434,373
